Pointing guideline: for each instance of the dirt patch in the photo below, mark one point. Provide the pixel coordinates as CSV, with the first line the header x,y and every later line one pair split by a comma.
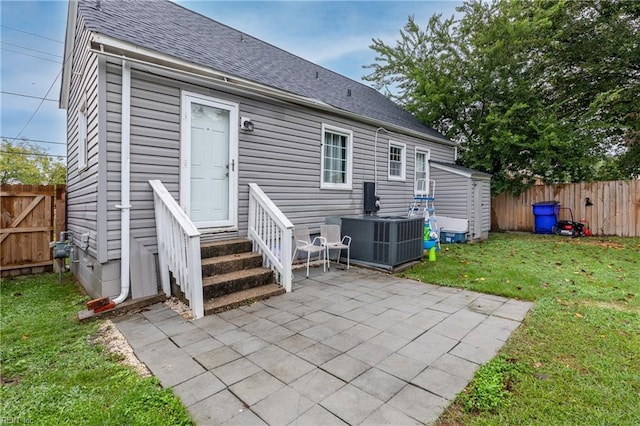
x,y
604,244
610,305
115,343
179,307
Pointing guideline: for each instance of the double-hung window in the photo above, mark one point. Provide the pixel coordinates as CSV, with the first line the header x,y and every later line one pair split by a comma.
x,y
82,135
337,157
397,163
421,181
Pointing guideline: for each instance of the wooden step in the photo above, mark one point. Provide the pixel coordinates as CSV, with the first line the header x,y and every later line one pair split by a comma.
x,y
244,297
230,263
223,284
225,247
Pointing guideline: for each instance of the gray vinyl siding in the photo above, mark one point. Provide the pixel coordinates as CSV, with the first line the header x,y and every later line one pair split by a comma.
x,y
154,152
101,239
452,194
82,199
282,155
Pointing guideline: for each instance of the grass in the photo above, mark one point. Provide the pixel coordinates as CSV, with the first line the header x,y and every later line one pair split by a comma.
x,y
576,358
53,374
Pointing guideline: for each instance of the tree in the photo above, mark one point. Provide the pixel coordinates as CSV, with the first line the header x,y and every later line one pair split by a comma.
x,y
497,81
27,163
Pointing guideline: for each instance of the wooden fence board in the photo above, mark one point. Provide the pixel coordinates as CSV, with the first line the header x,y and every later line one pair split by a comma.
x,y
29,214
615,209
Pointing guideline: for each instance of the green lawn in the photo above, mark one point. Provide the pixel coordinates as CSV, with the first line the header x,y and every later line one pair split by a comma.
x,y
576,358
53,375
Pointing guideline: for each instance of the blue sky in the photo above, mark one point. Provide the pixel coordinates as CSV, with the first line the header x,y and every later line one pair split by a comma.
x,y
333,34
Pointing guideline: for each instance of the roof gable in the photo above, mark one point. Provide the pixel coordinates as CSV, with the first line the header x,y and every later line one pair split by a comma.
x,y
173,30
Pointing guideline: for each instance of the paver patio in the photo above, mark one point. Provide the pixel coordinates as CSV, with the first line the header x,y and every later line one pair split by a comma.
x,y
345,347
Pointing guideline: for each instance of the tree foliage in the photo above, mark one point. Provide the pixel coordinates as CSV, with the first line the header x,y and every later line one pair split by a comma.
x,y
27,163
533,90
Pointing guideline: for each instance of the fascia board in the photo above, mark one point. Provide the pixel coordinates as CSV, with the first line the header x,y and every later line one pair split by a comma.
x,y
67,63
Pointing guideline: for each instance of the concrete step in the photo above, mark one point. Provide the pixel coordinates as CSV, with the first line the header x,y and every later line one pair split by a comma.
x,y
225,247
230,263
244,297
223,284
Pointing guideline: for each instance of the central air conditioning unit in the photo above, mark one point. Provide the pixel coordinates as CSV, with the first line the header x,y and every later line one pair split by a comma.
x,y
384,242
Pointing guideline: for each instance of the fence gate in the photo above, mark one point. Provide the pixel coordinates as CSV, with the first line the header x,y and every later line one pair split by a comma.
x,y
30,215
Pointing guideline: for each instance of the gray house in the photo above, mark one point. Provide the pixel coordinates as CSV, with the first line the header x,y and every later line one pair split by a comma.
x,y
166,108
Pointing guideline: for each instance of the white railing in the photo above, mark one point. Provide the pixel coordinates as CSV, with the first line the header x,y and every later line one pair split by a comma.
x,y
272,235
178,248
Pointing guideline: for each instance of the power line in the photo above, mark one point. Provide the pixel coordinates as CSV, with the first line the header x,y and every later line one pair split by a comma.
x,y
64,61
27,54
28,96
37,140
39,105
35,155
33,34
33,50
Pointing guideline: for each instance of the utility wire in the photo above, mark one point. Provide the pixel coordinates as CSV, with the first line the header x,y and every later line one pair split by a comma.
x,y
37,140
35,155
28,96
33,50
27,54
33,34
64,61
39,105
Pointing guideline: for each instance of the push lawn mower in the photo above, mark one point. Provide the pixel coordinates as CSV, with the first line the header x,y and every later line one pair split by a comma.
x,y
571,228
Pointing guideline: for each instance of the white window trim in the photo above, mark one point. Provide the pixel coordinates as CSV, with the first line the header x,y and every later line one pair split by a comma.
x,y
427,154
403,167
349,135
83,144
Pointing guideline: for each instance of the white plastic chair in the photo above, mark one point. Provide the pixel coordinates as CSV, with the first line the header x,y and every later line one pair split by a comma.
x,y
331,234
305,244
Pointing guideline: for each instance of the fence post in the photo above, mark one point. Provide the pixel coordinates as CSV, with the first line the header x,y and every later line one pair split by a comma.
x,y
61,209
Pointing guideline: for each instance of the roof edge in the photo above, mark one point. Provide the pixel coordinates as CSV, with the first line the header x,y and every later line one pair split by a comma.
x,y
453,168
67,61
125,50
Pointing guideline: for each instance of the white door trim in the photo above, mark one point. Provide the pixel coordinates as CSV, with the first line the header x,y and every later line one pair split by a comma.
x,y
185,156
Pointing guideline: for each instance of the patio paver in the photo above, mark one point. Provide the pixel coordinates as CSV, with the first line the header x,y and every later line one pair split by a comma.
x,y
345,347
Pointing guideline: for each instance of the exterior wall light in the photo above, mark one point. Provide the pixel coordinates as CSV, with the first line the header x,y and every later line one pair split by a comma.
x,y
246,124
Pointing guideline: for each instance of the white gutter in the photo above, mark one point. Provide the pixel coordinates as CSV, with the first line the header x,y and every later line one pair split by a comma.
x,y
141,55
125,167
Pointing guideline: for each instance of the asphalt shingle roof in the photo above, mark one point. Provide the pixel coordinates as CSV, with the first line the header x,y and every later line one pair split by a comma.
x,y
171,29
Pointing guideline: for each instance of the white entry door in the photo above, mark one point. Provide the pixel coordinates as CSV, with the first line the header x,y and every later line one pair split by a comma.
x,y
208,178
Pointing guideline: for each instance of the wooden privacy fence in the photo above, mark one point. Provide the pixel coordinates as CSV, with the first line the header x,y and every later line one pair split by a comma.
x,y
615,208
30,215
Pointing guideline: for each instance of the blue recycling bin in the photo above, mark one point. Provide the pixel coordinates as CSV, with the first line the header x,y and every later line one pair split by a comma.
x,y
545,217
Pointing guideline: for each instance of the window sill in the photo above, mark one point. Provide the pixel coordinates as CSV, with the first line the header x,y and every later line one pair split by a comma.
x,y
337,188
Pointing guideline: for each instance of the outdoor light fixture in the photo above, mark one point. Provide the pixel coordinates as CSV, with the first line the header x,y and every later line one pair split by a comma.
x,y
588,202
246,124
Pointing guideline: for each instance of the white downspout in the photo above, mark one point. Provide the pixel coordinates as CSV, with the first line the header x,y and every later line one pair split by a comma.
x,y
125,167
